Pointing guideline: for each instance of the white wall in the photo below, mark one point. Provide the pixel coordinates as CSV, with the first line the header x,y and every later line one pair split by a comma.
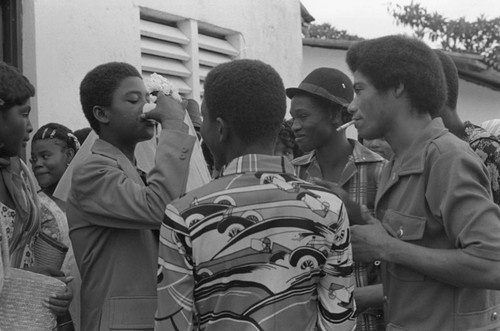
x,y
477,103
316,57
64,39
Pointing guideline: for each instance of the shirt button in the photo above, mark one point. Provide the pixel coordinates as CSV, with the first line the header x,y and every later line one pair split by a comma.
x,y
182,156
400,232
184,149
494,316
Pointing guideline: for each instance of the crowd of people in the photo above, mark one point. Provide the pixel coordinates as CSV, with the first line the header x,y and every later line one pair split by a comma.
x,y
301,227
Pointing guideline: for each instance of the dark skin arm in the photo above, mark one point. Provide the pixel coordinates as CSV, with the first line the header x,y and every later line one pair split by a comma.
x,y
58,303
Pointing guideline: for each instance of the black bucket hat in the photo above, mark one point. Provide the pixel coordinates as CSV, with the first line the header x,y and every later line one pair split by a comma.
x,y
326,83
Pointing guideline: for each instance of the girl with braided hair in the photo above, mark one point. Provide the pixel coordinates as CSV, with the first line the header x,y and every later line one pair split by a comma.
x,y
52,148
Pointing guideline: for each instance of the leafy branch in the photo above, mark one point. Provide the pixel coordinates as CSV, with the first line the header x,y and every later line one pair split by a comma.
x,y
481,36
326,31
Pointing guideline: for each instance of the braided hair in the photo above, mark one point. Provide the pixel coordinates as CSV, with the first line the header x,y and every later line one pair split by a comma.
x,y
57,131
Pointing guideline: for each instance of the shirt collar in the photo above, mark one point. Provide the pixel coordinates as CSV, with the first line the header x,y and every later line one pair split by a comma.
x,y
258,163
413,160
104,148
360,154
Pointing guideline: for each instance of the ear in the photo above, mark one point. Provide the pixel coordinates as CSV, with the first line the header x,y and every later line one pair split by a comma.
x,y
69,155
100,114
223,129
336,117
398,90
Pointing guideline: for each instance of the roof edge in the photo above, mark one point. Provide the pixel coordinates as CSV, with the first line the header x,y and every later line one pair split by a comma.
x,y
471,67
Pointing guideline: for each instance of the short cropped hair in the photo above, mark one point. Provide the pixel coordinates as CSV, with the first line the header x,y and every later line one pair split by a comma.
x,y
249,95
391,60
99,85
15,89
451,77
82,134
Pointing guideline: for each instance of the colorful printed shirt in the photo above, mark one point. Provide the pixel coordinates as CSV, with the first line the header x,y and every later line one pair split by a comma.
x,y
487,146
8,218
256,249
360,180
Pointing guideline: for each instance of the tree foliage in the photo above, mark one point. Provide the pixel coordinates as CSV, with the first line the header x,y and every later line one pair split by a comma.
x,y
481,36
326,31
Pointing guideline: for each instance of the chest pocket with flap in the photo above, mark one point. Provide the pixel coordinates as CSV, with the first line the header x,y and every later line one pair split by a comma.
x,y
402,226
406,228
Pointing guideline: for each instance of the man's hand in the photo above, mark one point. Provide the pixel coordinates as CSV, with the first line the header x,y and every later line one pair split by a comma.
x,y
4,162
370,296
369,241
168,112
59,303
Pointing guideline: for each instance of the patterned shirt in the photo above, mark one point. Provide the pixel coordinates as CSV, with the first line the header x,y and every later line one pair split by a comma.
x,y
487,146
360,180
256,249
22,222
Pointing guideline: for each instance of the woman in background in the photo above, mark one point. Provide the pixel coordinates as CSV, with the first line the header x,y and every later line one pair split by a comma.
x,y
19,212
52,148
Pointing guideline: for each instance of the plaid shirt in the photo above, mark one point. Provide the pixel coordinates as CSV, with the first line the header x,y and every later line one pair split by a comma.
x,y
360,180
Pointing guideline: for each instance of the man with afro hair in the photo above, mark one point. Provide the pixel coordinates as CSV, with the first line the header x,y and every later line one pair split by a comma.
x,y
436,228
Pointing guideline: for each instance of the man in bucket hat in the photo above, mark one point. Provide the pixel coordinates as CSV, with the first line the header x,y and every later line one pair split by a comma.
x,y
319,109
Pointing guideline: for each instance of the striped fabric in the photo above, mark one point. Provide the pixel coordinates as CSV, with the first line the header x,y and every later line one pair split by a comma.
x,y
360,180
256,249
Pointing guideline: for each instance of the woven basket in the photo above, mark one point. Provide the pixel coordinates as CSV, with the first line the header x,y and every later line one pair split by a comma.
x,y
22,295
49,252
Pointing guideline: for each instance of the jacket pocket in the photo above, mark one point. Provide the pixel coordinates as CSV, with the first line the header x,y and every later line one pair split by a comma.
x,y
407,228
488,319
403,226
129,313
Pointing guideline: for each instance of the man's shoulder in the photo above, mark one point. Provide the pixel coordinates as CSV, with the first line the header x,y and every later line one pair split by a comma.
x,y
447,143
212,189
235,190
92,164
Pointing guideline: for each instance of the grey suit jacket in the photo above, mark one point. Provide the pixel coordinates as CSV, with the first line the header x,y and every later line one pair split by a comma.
x,y
112,217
